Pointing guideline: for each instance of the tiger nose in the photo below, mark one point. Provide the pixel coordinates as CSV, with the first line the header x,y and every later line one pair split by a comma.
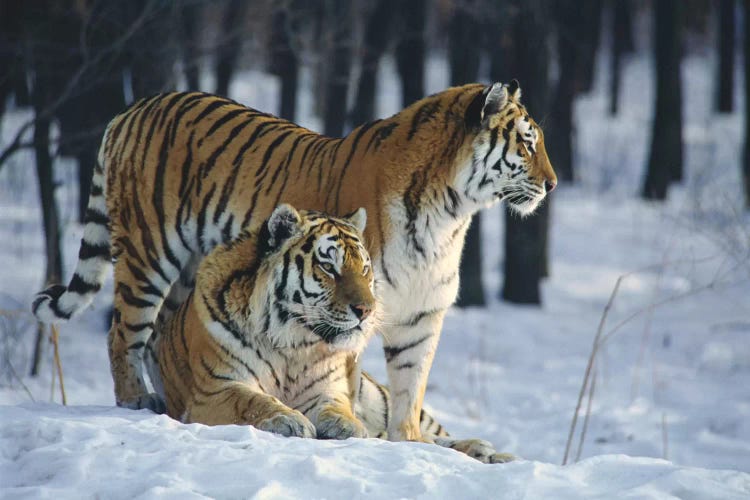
x,y
362,311
550,185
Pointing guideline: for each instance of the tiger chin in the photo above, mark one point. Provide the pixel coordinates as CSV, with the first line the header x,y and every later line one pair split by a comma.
x,y
270,334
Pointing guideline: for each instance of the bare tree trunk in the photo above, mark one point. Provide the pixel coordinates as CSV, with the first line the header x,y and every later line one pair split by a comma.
x,y
665,159
622,41
590,36
50,217
189,13
284,63
464,66
410,51
376,40
338,18
151,49
526,239
746,40
725,70
228,50
13,79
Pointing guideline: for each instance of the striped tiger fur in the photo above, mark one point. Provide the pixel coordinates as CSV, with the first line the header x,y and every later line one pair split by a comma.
x,y
270,334
180,173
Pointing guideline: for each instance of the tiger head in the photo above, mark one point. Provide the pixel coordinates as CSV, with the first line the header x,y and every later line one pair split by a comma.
x,y
508,158
322,277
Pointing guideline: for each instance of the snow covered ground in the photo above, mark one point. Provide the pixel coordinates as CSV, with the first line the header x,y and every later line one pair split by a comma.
x,y
670,416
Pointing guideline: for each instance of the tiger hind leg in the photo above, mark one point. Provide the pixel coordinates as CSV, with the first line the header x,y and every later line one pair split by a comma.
x,y
139,295
373,407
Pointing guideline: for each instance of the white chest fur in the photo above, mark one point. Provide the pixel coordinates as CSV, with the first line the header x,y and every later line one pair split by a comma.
x,y
418,269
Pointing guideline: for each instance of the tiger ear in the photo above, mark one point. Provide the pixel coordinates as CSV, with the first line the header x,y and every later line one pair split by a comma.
x,y
497,98
514,89
488,102
358,219
284,223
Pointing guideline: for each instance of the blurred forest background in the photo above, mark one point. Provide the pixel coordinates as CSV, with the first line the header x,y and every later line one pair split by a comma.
x,y
77,63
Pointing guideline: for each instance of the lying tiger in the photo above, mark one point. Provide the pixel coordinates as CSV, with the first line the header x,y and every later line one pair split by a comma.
x,y
270,334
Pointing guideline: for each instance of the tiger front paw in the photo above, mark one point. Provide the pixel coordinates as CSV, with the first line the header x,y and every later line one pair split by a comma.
x,y
336,426
292,424
478,449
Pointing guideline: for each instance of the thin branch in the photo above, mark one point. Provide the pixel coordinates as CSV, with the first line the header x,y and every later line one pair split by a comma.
x,y
73,84
54,338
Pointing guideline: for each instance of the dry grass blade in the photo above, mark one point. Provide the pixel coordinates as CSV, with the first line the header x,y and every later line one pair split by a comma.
x,y
11,314
590,364
592,388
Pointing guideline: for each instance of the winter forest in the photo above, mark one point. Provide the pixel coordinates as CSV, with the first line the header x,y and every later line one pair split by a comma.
x,y
603,340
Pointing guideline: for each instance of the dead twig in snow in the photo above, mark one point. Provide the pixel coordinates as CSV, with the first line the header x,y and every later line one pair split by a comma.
x,y
54,338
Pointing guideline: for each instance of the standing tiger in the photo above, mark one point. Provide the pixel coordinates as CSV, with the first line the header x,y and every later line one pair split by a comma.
x,y
270,333
180,173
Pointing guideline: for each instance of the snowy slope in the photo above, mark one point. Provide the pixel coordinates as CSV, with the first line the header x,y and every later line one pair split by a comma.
x,y
671,382
104,452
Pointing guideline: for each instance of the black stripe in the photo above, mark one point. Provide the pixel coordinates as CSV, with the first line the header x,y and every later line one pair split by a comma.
x,y
285,165
317,380
139,327
381,134
226,323
211,372
393,351
93,216
416,318
174,99
129,297
270,367
89,251
185,178
187,105
494,133
213,106
224,119
383,395
147,286
311,401
202,219
147,241
423,115
210,163
158,201
269,152
82,287
239,360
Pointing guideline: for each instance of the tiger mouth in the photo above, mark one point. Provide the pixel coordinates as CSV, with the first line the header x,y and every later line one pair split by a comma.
x,y
332,333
